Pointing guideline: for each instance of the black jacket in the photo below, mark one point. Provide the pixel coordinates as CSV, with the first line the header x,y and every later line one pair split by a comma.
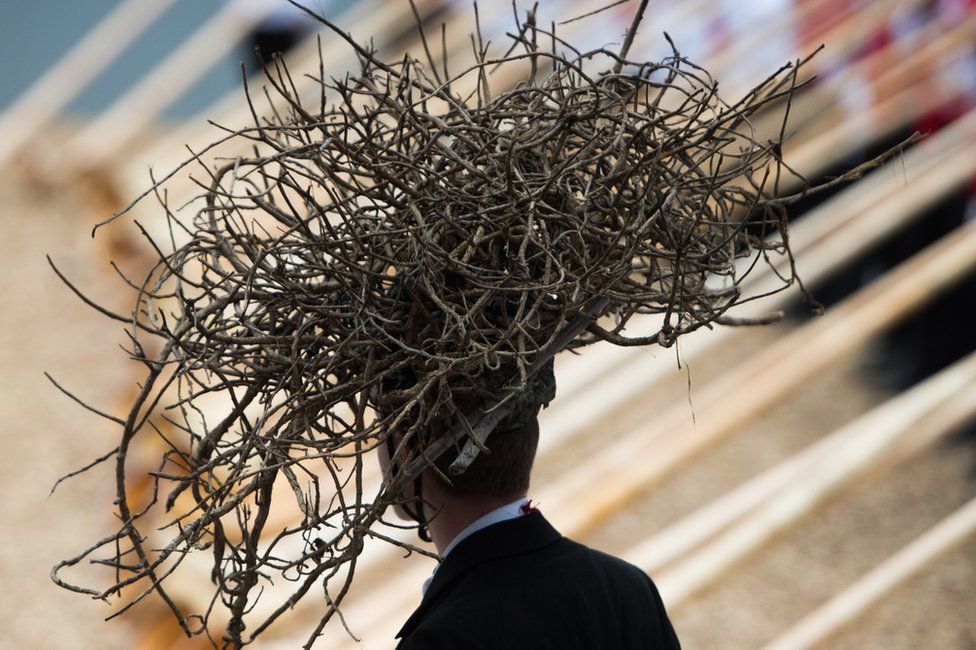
x,y
519,584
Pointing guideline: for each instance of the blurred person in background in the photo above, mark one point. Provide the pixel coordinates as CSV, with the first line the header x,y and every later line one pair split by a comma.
x,y
280,26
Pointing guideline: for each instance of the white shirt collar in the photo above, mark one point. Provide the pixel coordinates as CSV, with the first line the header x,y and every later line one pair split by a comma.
x,y
504,513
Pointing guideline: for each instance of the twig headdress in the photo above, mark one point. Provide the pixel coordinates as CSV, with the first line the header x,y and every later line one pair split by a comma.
x,y
409,255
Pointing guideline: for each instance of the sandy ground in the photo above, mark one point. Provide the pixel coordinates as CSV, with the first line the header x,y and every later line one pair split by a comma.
x,y
44,434
839,542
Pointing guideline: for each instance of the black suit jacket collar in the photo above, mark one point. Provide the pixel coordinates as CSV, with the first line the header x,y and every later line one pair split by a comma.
x,y
504,539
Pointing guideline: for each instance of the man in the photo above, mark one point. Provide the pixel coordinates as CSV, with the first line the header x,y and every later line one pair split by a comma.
x,y
509,580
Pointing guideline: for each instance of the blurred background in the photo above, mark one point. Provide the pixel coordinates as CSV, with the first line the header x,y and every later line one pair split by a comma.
x,y
805,484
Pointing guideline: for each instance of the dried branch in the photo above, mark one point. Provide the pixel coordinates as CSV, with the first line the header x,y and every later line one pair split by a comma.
x,y
407,258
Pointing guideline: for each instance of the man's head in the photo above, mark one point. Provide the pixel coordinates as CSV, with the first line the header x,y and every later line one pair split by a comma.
x,y
502,473
498,476
493,479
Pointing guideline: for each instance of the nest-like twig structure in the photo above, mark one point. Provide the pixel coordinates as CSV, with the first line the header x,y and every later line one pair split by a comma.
x,y
415,220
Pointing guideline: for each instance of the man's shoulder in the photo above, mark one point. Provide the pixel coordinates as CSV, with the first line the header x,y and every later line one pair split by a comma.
x,y
558,594
566,571
604,563
602,558
565,595
563,565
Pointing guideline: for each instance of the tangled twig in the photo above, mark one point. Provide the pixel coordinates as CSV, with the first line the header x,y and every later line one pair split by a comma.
x,y
415,224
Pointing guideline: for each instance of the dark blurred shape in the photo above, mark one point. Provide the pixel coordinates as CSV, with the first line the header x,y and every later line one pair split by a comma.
x,y
282,27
